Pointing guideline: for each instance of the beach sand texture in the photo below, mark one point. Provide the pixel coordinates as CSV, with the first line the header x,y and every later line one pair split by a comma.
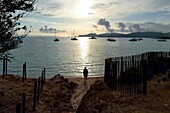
x,y
60,95
64,95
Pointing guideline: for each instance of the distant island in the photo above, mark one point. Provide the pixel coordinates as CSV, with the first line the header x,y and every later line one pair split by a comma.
x,y
135,34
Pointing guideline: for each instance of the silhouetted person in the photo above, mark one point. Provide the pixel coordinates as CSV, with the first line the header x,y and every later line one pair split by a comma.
x,y
85,72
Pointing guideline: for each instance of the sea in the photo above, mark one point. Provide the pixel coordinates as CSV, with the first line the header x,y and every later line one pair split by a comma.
x,y
69,57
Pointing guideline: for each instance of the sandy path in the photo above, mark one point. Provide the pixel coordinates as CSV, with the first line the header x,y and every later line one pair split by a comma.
x,y
81,90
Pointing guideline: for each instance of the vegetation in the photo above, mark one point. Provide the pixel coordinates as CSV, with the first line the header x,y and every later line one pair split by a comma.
x,y
10,13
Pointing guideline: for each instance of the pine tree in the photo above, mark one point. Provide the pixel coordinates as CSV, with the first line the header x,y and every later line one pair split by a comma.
x,y
10,13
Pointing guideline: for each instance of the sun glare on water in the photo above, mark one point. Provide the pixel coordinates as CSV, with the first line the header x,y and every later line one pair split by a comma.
x,y
82,9
84,48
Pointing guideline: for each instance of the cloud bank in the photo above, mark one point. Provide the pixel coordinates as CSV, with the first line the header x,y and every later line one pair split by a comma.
x,y
131,27
50,30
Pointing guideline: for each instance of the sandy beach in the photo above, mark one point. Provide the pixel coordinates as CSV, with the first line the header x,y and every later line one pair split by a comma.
x,y
83,86
12,87
75,95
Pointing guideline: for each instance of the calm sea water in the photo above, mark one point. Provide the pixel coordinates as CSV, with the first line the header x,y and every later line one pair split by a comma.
x,y
70,57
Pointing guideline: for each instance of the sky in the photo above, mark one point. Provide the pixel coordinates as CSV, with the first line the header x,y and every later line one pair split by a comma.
x,y
98,16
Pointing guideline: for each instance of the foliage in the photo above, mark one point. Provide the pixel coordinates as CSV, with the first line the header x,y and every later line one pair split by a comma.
x,y
10,13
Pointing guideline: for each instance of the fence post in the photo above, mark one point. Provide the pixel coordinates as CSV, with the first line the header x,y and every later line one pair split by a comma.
x,y
114,66
25,77
42,80
107,70
24,72
3,68
35,93
121,60
6,65
18,108
44,72
23,102
144,78
38,96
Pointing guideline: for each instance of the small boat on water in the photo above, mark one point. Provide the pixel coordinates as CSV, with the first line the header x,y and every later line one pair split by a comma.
x,y
56,40
111,39
74,38
133,40
162,40
92,37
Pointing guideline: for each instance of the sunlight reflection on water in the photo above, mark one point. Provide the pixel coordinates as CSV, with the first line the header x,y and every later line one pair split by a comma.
x,y
70,57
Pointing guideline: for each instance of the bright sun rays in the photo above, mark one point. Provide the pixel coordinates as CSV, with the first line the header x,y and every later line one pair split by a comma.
x,y
82,9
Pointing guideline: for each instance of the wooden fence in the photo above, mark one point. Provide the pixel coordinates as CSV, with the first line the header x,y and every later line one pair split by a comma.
x,y
38,90
131,73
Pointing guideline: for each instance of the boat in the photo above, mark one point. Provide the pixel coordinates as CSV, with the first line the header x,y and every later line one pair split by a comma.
x,y
161,40
73,37
111,39
92,37
133,40
56,40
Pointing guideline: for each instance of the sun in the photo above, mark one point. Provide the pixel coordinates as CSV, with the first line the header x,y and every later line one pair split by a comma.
x,y
82,9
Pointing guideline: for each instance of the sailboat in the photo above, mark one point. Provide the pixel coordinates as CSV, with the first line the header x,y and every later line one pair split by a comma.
x,y
92,36
56,39
73,37
162,38
111,39
133,39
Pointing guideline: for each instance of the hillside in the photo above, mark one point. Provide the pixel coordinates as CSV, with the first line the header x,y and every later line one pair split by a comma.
x,y
136,34
101,99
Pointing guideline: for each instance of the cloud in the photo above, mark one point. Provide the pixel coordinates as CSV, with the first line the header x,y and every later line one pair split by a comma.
x,y
99,6
49,15
142,27
113,3
104,22
95,26
136,28
131,27
104,5
50,30
121,26
157,26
